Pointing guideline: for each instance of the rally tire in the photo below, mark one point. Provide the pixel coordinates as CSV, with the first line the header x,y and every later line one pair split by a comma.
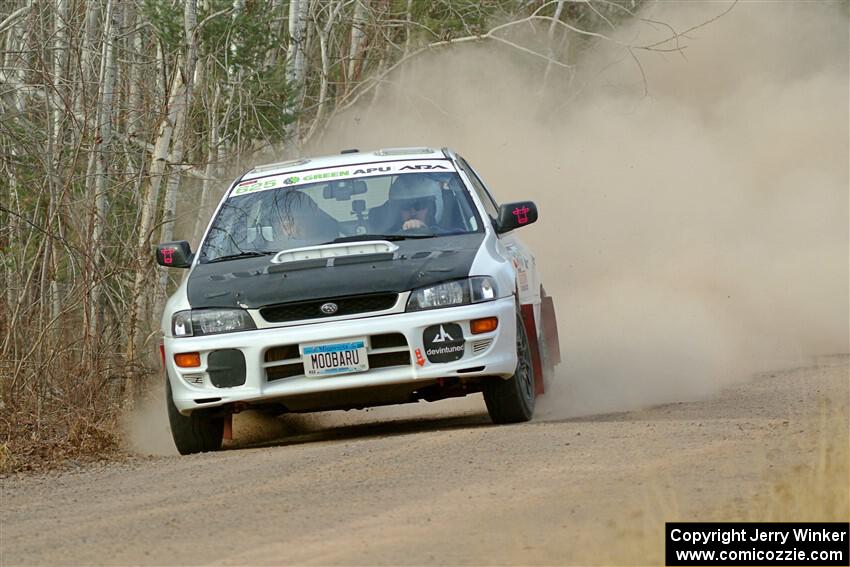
x,y
512,400
195,433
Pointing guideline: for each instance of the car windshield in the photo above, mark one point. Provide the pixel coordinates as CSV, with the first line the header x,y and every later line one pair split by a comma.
x,y
267,215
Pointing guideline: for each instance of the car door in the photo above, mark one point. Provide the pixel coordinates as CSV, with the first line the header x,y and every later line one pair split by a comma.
x,y
527,281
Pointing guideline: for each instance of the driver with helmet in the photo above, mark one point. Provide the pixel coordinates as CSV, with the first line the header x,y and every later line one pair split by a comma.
x,y
418,199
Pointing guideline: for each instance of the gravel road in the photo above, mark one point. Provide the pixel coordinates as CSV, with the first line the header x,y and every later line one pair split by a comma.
x,y
432,489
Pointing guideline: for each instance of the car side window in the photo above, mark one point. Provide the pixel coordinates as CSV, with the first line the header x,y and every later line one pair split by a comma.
x,y
488,202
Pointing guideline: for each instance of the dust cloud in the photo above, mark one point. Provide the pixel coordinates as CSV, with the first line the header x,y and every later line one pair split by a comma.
x,y
145,428
692,234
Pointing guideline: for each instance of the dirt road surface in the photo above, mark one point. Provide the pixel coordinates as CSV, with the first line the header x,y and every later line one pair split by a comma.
x,y
434,489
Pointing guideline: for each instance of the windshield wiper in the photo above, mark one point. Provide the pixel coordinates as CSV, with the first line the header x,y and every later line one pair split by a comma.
x,y
245,254
390,237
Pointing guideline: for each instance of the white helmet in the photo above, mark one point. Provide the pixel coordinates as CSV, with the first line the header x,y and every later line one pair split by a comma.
x,y
417,186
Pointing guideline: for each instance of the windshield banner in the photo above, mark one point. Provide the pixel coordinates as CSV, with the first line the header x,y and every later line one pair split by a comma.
x,y
342,172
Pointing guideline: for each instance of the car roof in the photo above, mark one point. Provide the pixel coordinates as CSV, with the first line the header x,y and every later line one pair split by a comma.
x,y
347,157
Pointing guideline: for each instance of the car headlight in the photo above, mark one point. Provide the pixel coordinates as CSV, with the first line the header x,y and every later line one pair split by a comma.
x,y
198,322
452,293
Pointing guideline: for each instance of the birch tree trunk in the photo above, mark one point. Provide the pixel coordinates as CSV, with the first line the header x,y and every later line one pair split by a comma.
x,y
408,23
55,98
135,79
324,34
276,8
214,157
182,105
135,136
358,38
296,69
87,55
101,160
13,280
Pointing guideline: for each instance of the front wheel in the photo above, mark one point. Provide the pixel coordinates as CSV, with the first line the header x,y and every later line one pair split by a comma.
x,y
512,400
195,433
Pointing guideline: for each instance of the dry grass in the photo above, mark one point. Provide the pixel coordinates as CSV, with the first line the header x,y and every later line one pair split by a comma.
x,y
817,490
61,416
36,444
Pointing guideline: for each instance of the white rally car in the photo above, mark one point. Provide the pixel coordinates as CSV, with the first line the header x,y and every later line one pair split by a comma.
x,y
350,281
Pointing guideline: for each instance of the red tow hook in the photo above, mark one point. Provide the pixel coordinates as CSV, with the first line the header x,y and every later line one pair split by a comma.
x,y
237,407
162,354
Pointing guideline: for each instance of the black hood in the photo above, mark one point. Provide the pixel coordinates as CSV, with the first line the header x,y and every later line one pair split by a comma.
x,y
256,282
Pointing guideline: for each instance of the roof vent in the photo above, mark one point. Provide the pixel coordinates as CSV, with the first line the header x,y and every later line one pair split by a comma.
x,y
351,151
403,151
280,165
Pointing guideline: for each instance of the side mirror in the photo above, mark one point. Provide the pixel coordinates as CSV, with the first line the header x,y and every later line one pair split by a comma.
x,y
515,215
174,254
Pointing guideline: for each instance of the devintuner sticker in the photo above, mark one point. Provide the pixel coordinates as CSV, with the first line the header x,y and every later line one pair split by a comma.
x,y
443,343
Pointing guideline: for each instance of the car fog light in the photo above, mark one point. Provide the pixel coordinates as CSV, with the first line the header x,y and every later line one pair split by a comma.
x,y
188,359
484,325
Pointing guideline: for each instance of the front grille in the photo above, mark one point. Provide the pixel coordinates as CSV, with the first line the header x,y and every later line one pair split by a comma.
x,y
387,359
285,371
388,340
385,350
345,306
285,352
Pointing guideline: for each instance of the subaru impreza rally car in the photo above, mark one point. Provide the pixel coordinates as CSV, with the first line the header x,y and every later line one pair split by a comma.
x,y
349,281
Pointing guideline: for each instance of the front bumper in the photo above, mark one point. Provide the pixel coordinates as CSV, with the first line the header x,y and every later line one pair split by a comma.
x,y
486,354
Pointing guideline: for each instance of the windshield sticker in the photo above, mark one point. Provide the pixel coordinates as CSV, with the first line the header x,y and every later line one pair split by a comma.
x,y
423,166
318,175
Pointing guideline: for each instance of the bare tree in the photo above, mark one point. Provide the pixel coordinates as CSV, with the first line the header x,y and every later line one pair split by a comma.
x,y
101,155
296,60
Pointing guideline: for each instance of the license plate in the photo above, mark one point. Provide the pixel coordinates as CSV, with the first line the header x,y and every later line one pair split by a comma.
x,y
331,359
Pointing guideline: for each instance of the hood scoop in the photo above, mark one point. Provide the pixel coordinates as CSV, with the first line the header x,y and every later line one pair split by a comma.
x,y
329,255
334,251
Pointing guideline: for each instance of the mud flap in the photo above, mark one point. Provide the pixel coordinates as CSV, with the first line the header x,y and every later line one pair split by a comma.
x,y
228,427
527,312
549,323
